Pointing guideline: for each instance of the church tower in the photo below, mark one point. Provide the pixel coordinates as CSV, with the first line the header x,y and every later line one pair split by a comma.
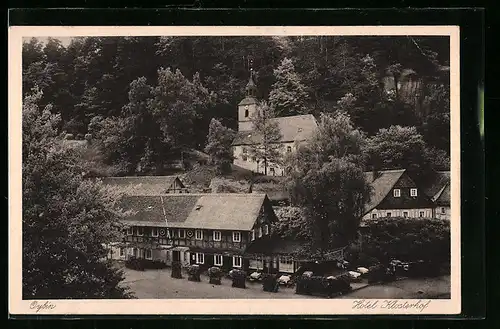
x,y
248,106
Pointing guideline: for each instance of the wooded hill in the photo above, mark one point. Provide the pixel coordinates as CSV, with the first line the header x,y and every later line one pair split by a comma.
x,y
147,97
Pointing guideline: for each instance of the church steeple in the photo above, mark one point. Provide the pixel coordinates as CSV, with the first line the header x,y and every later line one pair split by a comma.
x,y
248,106
251,88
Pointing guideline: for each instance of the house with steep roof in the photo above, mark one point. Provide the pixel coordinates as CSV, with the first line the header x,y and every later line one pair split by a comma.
x,y
295,130
395,194
438,189
146,185
204,229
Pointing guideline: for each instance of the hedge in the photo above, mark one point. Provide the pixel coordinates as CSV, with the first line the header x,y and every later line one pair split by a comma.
x,y
320,285
141,264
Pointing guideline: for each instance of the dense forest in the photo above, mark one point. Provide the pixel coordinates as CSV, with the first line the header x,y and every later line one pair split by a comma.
x,y
160,93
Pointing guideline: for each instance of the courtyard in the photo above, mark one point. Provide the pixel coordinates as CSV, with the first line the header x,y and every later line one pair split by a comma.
x,y
157,284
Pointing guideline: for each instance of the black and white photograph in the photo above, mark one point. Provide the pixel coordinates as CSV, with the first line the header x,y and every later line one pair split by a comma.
x,y
207,168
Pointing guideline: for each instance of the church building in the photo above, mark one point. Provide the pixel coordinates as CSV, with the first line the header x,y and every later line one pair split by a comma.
x,y
294,131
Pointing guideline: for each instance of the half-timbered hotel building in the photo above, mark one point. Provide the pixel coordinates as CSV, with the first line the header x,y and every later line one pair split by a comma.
x,y
204,229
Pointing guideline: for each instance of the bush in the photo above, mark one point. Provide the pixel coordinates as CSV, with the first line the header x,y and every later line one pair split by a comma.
x,y
270,283
380,273
320,285
176,270
239,278
215,275
135,264
141,264
194,273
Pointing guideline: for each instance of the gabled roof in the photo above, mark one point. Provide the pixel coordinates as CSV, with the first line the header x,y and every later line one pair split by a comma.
x,y
202,211
437,184
149,210
142,185
381,185
292,128
442,198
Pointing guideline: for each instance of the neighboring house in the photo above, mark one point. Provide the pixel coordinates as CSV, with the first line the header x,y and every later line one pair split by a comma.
x,y
395,194
280,255
147,185
294,130
204,229
439,192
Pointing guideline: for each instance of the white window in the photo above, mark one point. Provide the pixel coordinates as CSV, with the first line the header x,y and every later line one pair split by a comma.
x,y
443,211
154,231
149,254
252,234
217,236
244,150
200,258
182,234
122,252
236,237
130,231
266,229
271,171
286,260
260,232
218,260
397,193
413,192
140,231
198,235
421,214
405,214
236,261
289,149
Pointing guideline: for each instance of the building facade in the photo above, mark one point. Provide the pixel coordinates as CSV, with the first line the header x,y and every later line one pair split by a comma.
x,y
204,229
395,194
295,130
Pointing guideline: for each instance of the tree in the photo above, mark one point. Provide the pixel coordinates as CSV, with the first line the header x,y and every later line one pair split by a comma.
x,y
267,137
328,181
407,240
289,95
399,147
178,104
67,222
218,146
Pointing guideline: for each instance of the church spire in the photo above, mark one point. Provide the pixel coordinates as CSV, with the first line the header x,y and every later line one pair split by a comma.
x,y
251,88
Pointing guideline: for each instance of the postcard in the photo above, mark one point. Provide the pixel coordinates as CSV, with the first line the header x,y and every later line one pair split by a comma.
x,y
202,170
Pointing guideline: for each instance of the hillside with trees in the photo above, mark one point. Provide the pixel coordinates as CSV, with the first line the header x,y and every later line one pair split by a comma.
x,y
142,99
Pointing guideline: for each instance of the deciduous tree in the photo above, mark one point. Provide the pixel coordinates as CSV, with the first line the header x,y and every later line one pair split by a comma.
x,y
266,135
218,146
67,222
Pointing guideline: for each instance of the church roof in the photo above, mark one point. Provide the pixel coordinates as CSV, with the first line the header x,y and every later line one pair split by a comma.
x,y
248,100
293,128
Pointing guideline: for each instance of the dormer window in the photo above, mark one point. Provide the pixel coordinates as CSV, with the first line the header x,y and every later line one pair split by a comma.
x,y
397,193
413,192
